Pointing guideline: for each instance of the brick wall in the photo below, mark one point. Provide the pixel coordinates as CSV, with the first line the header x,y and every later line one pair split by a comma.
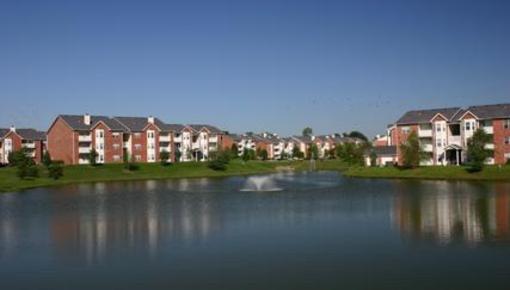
x,y
500,148
62,143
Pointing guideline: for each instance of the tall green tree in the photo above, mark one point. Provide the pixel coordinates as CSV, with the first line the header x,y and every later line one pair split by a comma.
x,y
476,151
412,153
234,150
307,132
297,153
93,157
313,152
262,154
46,159
350,153
359,135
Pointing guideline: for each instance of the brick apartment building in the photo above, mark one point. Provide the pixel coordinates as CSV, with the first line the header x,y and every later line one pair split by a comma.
x,y
71,138
13,139
444,133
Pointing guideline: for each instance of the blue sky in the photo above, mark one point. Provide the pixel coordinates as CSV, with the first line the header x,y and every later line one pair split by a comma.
x,y
251,65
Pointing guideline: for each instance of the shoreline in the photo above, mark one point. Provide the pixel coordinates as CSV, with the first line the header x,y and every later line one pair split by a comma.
x,y
10,183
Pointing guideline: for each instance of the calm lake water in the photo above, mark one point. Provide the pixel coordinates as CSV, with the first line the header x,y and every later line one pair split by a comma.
x,y
319,231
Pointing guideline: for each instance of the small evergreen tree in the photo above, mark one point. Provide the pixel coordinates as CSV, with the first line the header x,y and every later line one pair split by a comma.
x,y
297,153
46,159
92,157
234,150
476,151
25,165
314,152
55,170
219,161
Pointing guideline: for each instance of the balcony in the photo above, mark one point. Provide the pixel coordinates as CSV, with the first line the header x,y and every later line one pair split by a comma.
x,y
28,145
213,139
455,140
178,139
427,147
84,150
126,144
164,138
489,146
85,138
488,129
425,133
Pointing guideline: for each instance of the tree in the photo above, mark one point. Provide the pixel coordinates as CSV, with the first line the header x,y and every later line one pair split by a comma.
x,y
412,153
219,161
234,151
359,135
373,158
248,154
92,157
350,153
297,153
307,132
164,156
178,155
313,152
46,159
25,165
476,151
55,170
129,164
262,153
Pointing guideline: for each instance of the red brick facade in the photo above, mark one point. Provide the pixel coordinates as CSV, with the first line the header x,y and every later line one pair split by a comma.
x,y
500,135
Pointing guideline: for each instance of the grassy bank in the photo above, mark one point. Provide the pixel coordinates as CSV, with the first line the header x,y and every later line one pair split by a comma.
x,y
115,172
432,172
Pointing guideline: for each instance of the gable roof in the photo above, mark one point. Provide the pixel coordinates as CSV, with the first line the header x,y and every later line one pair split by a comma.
x,y
212,129
491,111
31,134
134,124
76,122
424,116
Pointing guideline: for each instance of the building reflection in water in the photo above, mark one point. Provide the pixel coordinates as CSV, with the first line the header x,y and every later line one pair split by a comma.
x,y
95,225
447,212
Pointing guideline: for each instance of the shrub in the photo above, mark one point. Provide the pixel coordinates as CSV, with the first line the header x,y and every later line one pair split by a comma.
x,y
27,170
164,156
219,160
262,154
55,170
46,159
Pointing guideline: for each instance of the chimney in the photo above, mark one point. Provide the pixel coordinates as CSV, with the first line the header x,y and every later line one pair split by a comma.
x,y
13,129
86,119
150,119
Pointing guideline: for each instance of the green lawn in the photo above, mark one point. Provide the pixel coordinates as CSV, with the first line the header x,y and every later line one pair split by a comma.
x,y
501,173
115,172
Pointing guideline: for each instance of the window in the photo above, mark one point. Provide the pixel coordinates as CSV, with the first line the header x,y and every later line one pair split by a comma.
x,y
439,142
115,134
137,135
116,157
406,130
468,126
138,157
116,146
507,124
507,140
138,146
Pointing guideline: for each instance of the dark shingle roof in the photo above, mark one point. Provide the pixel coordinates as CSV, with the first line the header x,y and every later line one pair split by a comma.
x,y
3,132
383,150
31,134
424,116
133,124
304,139
491,111
212,129
77,123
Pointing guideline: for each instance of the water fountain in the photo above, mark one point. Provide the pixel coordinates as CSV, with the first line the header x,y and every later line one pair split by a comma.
x,y
260,183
